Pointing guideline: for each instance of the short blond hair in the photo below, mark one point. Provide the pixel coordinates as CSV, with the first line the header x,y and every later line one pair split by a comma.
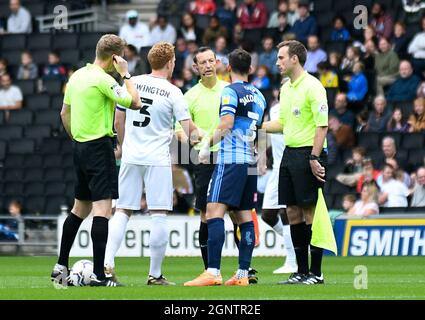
x,y
160,54
109,45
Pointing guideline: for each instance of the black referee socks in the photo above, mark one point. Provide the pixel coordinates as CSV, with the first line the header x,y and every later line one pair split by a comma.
x,y
316,255
69,231
99,236
299,239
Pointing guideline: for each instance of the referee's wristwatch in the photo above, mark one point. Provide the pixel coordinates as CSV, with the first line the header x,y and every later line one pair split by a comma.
x,y
313,157
126,76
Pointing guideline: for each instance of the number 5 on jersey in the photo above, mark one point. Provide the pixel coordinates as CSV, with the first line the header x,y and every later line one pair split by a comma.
x,y
146,103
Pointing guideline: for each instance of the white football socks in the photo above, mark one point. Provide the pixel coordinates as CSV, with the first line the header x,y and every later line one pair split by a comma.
x,y
287,241
158,241
117,226
278,227
214,271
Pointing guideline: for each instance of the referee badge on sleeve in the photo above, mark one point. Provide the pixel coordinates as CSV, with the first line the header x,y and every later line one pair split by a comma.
x,y
118,91
323,108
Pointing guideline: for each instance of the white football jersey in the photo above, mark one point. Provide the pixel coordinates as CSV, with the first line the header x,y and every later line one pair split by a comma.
x,y
278,144
149,131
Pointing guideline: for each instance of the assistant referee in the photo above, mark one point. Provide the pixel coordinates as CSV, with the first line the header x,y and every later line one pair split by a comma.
x,y
304,122
87,115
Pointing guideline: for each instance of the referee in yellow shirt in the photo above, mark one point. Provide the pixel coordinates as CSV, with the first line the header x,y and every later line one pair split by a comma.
x,y
304,122
87,115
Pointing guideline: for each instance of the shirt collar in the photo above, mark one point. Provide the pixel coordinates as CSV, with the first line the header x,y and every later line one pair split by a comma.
x,y
91,65
216,87
298,81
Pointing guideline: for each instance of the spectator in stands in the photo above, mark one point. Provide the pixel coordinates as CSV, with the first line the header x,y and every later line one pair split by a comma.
x,y
171,7
4,67
181,55
413,11
238,35
252,14
379,118
367,205
206,7
341,112
28,69
227,15
362,118
404,88
187,82
135,32
339,31
220,50
262,78
352,55
417,119
249,46
369,56
389,151
315,54
327,76
393,192
293,14
386,66
19,20
191,48
213,31
421,90
398,172
357,86
353,168
417,50
136,66
268,57
398,123
54,69
282,8
9,227
343,135
418,197
335,61
369,174
381,21
306,24
400,40
348,201
163,31
282,28
10,96
188,29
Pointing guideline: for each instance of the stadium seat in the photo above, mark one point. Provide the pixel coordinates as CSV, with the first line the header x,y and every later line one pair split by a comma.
x,y
324,19
2,149
37,102
89,40
27,86
65,41
397,136
56,102
48,117
53,174
2,120
270,5
39,41
12,56
368,140
37,132
87,55
40,57
70,57
34,204
392,210
338,188
14,189
68,162
69,175
53,205
13,41
337,46
331,94
54,188
322,6
339,6
14,161
416,158
52,86
413,140
202,21
34,188
33,161
35,8
52,160
13,175
10,132
70,190
367,3
21,146
33,174
51,146
20,117
66,147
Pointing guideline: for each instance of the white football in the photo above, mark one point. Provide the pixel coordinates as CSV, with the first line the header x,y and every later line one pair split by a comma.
x,y
80,273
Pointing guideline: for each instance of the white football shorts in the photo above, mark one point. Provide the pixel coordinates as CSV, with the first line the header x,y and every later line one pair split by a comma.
x,y
271,195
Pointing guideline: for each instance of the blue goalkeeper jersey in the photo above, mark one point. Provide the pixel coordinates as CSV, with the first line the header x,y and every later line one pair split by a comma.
x,y
246,103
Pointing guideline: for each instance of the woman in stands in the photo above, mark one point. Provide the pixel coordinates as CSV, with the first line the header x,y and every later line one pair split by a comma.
x,y
367,205
417,119
398,123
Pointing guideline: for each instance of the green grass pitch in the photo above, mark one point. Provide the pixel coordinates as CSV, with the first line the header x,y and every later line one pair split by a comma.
x,y
387,278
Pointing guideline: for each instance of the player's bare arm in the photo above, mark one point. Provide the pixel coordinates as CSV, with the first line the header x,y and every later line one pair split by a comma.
x,y
226,123
319,139
273,126
66,119
192,131
121,66
119,124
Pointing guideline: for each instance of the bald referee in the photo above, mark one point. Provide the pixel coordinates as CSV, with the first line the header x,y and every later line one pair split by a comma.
x,y
304,123
87,115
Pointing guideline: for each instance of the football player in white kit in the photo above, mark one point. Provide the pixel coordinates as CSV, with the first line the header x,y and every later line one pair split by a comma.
x,y
273,213
146,162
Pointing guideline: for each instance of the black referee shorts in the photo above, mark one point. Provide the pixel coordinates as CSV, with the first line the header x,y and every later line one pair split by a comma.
x,y
203,174
297,184
96,171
